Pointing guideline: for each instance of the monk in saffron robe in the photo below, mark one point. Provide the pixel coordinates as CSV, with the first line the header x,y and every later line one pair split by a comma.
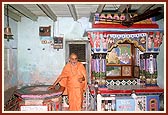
x,y
73,78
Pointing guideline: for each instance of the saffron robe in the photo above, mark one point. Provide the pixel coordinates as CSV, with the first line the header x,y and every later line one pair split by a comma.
x,y
73,88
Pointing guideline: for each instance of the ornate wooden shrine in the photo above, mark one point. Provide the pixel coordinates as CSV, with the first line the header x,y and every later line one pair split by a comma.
x,y
124,62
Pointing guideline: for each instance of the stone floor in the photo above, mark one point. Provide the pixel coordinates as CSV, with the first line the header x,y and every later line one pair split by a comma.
x,y
8,93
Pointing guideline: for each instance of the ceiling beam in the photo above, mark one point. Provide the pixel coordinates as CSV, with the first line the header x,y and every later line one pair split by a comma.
x,y
161,15
73,11
123,7
159,5
91,18
12,15
144,8
24,11
46,9
100,8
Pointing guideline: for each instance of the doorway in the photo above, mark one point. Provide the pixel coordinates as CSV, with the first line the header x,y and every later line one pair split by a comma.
x,y
82,49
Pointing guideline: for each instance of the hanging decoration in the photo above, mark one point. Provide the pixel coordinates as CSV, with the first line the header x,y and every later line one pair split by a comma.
x,y
7,31
127,19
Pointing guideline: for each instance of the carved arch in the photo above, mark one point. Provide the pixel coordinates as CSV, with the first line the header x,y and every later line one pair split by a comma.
x,y
134,42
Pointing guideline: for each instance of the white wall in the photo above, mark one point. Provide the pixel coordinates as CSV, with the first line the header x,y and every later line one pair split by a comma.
x,y
161,59
41,64
10,56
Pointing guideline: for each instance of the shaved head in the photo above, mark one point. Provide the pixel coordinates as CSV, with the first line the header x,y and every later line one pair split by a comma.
x,y
73,59
73,55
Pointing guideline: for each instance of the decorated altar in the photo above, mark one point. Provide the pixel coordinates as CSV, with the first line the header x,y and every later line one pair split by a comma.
x,y
124,64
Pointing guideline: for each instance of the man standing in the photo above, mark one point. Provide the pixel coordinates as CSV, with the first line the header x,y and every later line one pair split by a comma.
x,y
73,78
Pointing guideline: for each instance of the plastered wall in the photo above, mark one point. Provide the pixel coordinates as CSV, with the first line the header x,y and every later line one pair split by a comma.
x,y
161,59
39,63
9,60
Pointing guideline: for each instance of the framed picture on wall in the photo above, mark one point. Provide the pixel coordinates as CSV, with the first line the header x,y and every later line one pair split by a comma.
x,y
120,55
45,31
126,71
58,42
113,70
136,71
119,61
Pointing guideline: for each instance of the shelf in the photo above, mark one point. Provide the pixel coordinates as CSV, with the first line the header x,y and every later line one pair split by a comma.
x,y
143,90
123,30
119,77
118,65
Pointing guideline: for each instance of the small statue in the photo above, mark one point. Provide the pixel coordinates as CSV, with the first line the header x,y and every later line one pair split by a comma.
x,y
116,17
90,39
97,17
109,17
105,40
102,17
151,66
156,41
97,42
122,17
150,41
140,105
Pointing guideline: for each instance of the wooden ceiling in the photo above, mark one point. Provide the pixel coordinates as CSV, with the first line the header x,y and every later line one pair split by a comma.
x,y
75,10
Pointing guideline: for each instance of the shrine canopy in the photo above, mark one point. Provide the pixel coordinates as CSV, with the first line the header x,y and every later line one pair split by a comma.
x,y
104,32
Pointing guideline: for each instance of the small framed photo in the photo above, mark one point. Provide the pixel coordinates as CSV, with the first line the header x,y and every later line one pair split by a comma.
x,y
126,71
120,55
113,71
45,31
58,42
136,71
